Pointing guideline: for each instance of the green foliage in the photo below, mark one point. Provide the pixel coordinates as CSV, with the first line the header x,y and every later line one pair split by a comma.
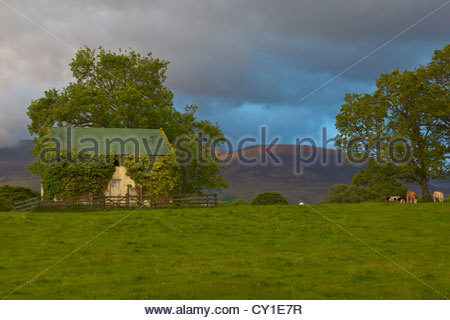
x,y
342,193
126,90
406,104
112,90
158,177
6,204
268,198
64,179
17,193
196,167
199,168
381,180
381,190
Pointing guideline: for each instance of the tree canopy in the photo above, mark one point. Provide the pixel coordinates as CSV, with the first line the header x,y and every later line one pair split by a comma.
x,y
125,89
342,193
269,198
410,106
381,180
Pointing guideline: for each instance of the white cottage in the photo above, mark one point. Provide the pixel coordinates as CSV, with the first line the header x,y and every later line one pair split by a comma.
x,y
113,141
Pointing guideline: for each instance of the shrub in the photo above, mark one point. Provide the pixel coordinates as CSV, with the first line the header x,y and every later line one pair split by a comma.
x,y
342,193
15,193
6,205
267,198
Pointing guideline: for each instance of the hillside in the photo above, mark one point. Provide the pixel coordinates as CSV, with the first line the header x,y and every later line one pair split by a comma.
x,y
311,186
245,180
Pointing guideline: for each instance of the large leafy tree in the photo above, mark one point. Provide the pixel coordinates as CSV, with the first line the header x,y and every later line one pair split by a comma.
x,y
123,90
411,105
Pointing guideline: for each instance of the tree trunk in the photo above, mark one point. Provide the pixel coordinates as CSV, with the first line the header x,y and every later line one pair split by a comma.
x,y
425,192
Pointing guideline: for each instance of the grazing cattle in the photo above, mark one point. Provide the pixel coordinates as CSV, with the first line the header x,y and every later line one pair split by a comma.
x,y
411,197
401,199
392,198
301,203
439,196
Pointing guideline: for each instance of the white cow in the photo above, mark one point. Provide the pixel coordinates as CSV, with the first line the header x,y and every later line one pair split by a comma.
x,y
401,199
301,203
437,195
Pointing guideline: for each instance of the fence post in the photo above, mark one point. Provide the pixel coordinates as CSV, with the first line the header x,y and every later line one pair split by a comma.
x,y
128,200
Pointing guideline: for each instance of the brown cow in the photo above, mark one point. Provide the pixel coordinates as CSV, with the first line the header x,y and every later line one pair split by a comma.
x,y
411,197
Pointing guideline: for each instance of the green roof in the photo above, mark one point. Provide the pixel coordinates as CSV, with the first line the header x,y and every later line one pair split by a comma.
x,y
116,140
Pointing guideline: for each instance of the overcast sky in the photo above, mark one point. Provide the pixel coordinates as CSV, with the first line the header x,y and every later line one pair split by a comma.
x,y
245,63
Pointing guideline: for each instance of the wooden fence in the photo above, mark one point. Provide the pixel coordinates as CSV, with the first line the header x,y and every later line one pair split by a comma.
x,y
127,201
104,202
27,204
194,200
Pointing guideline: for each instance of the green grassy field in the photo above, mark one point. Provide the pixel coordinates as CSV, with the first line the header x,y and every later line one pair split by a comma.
x,y
243,252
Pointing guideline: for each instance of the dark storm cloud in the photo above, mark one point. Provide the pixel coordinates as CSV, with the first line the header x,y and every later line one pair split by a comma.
x,y
242,61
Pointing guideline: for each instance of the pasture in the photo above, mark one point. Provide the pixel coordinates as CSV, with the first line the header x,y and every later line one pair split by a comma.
x,y
234,252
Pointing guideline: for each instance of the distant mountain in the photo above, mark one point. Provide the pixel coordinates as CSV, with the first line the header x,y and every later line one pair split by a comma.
x,y
311,186
245,180
13,166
